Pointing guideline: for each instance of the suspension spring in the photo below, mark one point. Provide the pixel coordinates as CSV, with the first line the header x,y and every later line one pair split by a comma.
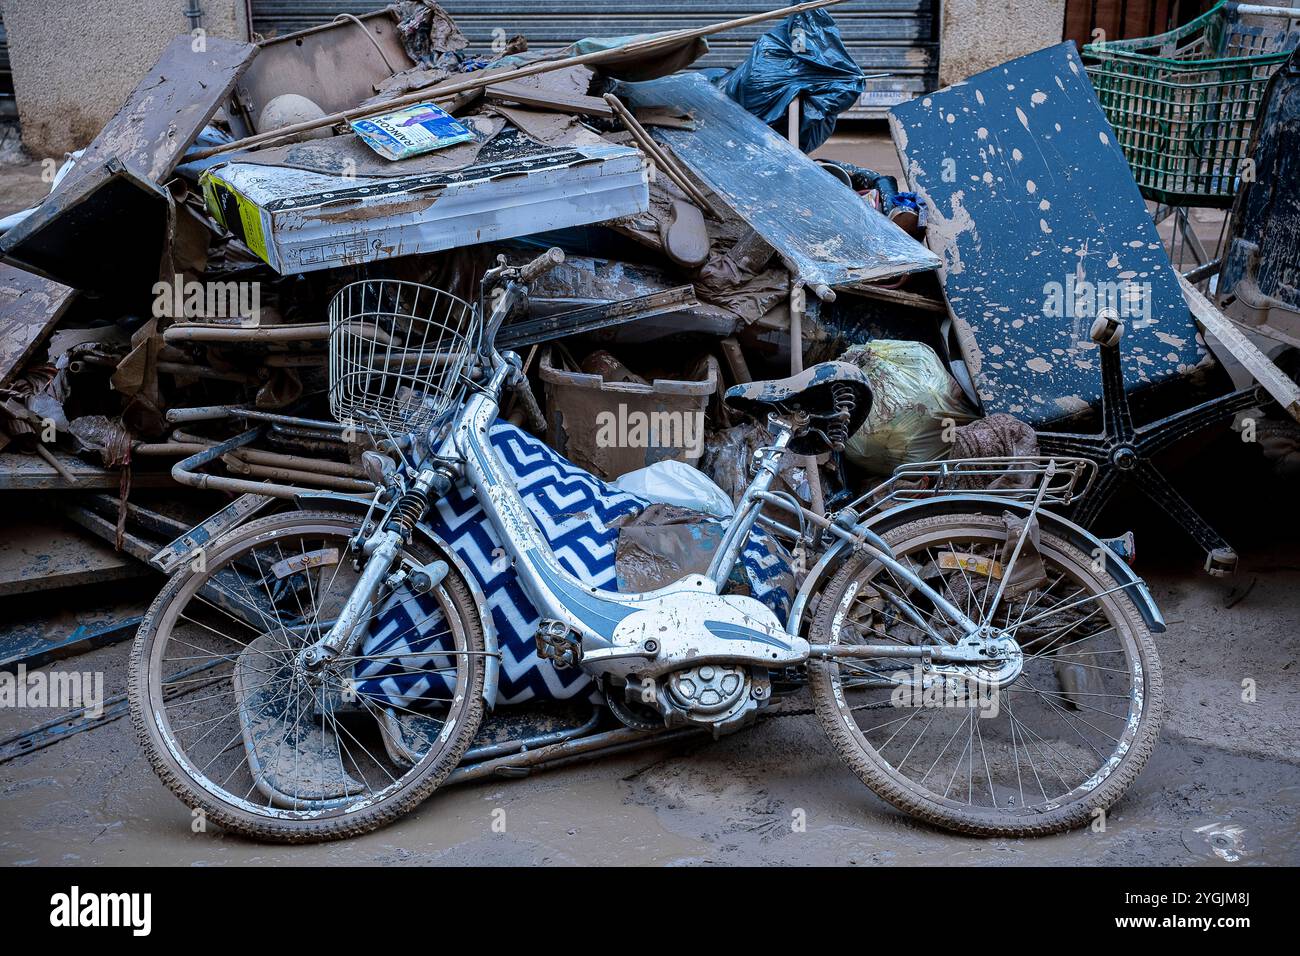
x,y
846,401
410,508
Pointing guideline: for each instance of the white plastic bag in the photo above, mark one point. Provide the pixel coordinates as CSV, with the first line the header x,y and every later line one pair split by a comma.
x,y
677,483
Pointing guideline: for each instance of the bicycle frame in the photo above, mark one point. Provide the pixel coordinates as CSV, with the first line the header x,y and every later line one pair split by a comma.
x,y
596,615
635,637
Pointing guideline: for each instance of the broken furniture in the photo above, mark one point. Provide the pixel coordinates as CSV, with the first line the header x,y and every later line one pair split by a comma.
x,y
335,65
823,231
106,226
1124,452
30,307
1258,286
1042,232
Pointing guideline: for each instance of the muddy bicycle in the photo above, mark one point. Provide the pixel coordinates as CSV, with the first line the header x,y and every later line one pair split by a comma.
x,y
977,660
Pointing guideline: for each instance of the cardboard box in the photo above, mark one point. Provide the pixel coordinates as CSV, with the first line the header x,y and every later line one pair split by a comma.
x,y
300,221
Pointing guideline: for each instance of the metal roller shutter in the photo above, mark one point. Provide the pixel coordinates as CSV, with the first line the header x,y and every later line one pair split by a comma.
x,y
898,37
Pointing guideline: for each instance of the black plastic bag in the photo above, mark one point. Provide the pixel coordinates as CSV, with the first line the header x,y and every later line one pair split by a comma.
x,y
803,56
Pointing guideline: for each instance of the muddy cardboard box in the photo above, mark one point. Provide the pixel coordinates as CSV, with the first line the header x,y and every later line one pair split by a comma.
x,y
300,220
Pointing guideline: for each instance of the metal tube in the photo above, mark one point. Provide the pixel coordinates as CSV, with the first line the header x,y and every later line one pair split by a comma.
x,y
608,742
278,460
724,559
308,332
183,471
521,744
334,482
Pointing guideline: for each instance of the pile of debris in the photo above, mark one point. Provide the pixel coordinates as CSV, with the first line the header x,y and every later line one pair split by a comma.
x,y
165,308
171,292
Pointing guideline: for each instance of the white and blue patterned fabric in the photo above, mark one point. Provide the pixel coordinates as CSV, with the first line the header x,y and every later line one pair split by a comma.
x,y
577,514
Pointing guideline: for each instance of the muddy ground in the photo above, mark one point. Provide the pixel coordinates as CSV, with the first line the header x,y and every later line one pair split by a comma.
x,y
1222,762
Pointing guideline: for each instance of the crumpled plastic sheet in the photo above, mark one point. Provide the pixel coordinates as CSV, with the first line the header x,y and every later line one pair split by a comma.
x,y
916,403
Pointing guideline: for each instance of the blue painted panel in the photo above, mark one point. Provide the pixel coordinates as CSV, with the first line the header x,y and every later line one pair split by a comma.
x,y
1038,223
1264,238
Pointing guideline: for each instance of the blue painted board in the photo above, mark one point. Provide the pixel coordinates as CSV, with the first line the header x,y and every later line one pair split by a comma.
x,y
818,225
1038,223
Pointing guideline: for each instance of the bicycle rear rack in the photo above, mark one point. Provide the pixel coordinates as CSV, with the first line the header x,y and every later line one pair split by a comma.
x,y
1013,478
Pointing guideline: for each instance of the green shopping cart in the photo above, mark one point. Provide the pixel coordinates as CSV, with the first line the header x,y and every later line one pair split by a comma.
x,y
1183,103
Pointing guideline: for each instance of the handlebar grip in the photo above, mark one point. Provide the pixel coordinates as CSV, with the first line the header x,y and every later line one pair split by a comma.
x,y
544,263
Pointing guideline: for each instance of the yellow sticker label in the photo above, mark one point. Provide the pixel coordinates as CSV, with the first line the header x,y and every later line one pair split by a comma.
x,y
954,561
250,216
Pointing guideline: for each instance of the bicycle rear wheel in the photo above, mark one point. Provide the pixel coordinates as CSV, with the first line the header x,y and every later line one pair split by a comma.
x,y
237,729
1044,753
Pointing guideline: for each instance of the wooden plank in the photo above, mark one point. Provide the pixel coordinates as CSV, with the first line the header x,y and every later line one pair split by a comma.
x,y
41,553
103,226
1215,323
23,472
30,307
41,652
542,98
168,109
823,230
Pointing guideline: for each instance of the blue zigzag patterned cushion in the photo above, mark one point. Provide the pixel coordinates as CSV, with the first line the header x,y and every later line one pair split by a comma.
x,y
575,511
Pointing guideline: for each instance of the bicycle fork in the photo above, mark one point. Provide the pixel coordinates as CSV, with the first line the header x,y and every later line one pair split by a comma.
x,y
382,550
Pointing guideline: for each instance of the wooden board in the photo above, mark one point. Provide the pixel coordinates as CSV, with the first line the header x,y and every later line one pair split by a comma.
x,y
103,226
1031,203
41,553
547,99
823,229
1260,367
23,472
30,307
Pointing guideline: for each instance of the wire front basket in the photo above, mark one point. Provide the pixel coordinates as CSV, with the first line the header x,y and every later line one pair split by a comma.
x,y
398,353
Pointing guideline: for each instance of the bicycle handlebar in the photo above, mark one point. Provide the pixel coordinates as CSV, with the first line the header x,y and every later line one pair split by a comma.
x,y
521,275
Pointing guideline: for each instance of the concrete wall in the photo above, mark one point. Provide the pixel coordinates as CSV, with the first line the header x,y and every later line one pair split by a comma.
x,y
75,63
976,35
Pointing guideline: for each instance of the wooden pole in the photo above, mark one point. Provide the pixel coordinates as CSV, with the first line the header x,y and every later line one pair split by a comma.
x,y
486,78
659,157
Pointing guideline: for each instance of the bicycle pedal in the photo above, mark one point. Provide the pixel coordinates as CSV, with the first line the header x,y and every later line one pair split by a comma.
x,y
558,644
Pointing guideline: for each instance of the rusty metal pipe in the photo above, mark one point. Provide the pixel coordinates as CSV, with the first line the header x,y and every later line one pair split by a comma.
x,y
307,332
335,482
611,741
183,472
278,459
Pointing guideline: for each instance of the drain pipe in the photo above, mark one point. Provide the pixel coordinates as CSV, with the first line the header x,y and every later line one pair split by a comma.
x,y
194,13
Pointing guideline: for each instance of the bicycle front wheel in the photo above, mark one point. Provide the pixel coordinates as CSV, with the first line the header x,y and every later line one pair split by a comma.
x,y
247,736
972,751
